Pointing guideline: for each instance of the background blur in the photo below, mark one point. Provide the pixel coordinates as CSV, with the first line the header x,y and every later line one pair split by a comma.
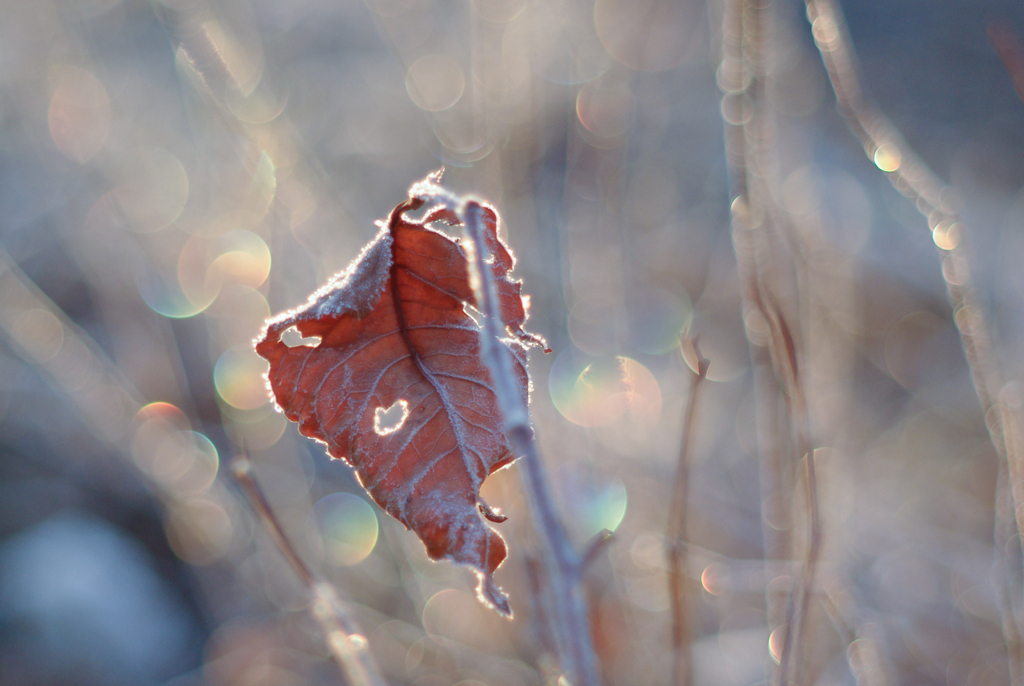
x,y
171,173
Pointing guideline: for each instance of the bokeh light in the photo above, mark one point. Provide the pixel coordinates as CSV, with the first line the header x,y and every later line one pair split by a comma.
x,y
256,429
348,528
649,35
239,378
199,530
261,106
40,333
887,157
459,616
207,263
604,391
435,82
165,297
597,503
179,171
153,190
236,317
79,114
166,450
648,590
658,318
605,108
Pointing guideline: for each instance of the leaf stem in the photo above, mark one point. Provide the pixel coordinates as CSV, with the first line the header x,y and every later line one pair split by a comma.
x,y
564,567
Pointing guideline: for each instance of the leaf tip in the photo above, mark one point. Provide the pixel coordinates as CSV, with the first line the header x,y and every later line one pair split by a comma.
x,y
490,513
491,595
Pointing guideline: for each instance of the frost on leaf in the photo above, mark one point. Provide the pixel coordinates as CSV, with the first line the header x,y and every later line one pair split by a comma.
x,y
396,387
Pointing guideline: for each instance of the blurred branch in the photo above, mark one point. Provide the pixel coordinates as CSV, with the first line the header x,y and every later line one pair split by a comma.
x,y
676,552
756,220
864,655
47,338
936,201
796,403
344,639
109,405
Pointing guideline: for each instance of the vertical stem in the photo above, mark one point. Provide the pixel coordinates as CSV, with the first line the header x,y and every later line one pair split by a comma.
x,y
800,599
756,219
682,662
572,630
1007,571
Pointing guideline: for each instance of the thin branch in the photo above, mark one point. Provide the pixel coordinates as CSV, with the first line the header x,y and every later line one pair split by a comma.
x,y
1007,571
109,404
597,545
341,631
736,81
564,566
749,137
676,548
864,654
936,201
784,355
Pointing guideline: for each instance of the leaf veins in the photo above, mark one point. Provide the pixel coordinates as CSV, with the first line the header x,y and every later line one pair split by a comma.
x,y
394,330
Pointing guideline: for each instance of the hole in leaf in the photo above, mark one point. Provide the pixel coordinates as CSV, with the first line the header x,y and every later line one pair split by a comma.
x,y
390,420
474,314
293,339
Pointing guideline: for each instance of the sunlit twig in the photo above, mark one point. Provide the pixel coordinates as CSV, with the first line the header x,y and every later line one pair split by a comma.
x,y
564,565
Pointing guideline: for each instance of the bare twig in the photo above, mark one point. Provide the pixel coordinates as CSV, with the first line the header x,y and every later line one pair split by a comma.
x,y
936,201
1007,571
597,545
676,548
784,355
341,632
864,654
736,82
564,565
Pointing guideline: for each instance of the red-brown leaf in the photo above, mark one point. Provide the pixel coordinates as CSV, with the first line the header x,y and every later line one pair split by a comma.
x,y
394,328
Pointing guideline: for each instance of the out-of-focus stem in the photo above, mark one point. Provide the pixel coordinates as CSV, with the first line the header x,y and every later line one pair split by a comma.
x,y
935,200
1007,572
796,611
737,102
564,567
341,631
676,552
749,139
864,655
